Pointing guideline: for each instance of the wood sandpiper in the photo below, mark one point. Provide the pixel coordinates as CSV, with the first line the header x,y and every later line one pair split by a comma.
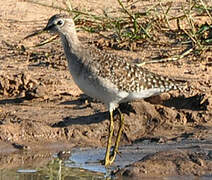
x,y
106,77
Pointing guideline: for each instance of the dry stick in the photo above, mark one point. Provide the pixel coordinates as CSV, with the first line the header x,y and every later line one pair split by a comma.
x,y
165,13
44,42
174,58
190,20
68,4
47,41
206,9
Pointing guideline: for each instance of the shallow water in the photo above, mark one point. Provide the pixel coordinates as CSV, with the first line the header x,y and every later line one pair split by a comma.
x,y
84,163
55,170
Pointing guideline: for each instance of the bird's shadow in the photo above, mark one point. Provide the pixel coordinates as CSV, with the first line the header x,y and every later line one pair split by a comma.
x,y
17,100
82,120
194,103
82,102
126,108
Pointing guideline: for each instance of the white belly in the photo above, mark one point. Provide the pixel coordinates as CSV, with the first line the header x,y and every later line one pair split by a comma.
x,y
102,90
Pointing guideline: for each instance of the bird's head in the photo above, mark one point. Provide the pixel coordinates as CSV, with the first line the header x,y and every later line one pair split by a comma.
x,y
59,23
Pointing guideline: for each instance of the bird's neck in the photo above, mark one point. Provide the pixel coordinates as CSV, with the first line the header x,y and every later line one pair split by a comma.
x,y
72,48
70,42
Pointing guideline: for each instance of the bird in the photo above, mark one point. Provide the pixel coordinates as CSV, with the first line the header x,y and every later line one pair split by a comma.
x,y
107,77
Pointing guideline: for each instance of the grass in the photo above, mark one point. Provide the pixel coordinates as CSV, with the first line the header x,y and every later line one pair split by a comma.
x,y
134,27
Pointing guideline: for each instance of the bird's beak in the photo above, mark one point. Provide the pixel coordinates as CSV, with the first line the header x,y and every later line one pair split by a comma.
x,y
34,34
47,28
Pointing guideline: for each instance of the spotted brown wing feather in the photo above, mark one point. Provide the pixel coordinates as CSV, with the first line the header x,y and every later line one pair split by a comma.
x,y
129,77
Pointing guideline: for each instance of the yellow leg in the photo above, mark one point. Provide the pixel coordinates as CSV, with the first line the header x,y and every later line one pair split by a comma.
x,y
118,138
109,159
107,155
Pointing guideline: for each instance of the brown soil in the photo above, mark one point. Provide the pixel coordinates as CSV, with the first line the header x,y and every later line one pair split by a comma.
x,y
41,106
169,163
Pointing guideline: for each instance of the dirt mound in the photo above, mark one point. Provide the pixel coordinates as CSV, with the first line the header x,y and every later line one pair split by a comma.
x,y
169,163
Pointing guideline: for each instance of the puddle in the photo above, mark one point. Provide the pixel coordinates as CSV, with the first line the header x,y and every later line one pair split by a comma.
x,y
84,163
89,158
54,170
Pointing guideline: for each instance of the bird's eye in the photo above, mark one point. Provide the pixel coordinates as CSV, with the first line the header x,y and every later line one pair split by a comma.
x,y
60,22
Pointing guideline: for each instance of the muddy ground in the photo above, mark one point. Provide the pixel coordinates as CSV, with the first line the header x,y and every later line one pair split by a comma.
x,y
41,108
